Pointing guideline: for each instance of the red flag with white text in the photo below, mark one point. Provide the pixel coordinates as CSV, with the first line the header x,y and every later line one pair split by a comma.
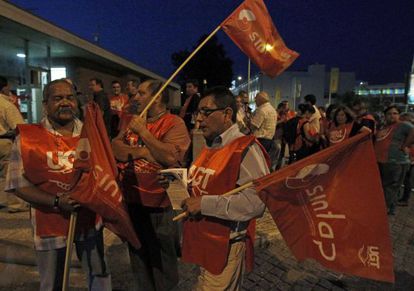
x,y
330,207
251,28
97,188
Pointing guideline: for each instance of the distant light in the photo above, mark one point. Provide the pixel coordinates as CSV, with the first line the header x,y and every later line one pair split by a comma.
x,y
20,55
57,73
239,78
361,83
268,47
182,92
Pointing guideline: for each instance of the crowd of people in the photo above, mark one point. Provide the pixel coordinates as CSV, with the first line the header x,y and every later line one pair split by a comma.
x,y
241,145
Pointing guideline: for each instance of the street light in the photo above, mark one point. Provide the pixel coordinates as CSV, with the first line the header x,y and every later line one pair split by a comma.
x,y
239,78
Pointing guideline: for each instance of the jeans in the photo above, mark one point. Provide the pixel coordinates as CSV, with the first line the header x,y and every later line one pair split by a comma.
x,y
154,265
91,254
392,176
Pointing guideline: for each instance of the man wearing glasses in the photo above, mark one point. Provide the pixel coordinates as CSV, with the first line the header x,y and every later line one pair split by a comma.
x,y
217,236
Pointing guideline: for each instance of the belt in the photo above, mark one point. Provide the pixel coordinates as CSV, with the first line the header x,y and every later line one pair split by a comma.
x,y
237,239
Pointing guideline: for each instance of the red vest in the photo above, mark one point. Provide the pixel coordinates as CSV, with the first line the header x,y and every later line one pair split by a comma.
x,y
206,241
139,179
339,133
383,139
48,162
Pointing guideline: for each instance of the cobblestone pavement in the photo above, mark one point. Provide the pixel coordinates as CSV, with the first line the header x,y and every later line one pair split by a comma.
x,y
276,268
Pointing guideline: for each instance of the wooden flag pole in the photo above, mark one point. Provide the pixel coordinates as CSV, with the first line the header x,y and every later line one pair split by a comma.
x,y
69,247
248,79
231,192
142,114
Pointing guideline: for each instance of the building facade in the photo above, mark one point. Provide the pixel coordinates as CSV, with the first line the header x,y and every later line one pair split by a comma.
x,y
294,85
382,94
33,52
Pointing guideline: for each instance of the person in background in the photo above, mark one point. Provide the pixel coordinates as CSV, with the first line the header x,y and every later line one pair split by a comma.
x,y
305,143
392,143
117,101
362,116
314,120
263,122
241,116
190,103
343,126
96,87
409,176
10,117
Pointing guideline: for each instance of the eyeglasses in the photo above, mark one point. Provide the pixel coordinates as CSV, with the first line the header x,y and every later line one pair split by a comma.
x,y
205,112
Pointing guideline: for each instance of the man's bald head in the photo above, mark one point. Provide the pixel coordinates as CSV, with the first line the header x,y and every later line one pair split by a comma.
x,y
261,98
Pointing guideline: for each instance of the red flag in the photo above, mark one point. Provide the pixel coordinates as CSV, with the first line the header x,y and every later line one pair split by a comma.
x,y
251,28
97,189
330,207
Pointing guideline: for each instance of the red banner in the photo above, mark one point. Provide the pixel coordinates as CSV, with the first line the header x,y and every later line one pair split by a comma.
x,y
97,188
330,207
251,28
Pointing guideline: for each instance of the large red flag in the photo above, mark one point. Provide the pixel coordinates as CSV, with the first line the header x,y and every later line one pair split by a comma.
x,y
97,188
252,30
330,207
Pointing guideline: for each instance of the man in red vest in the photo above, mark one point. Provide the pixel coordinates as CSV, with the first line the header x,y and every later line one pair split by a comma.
x,y
144,147
219,235
40,171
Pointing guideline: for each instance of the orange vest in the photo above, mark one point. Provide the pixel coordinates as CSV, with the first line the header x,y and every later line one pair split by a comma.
x,y
383,139
139,179
339,133
206,241
48,162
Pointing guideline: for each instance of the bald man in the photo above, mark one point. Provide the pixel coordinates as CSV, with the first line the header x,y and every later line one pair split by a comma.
x,y
263,123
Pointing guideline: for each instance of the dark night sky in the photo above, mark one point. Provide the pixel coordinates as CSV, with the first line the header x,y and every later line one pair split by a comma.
x,y
373,38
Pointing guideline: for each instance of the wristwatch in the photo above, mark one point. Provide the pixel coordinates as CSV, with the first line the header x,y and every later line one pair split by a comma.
x,y
56,203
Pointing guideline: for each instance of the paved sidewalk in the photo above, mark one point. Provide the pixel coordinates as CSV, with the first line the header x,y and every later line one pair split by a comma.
x,y
276,268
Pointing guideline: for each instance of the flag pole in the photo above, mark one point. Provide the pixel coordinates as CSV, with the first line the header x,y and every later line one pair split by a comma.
x,y
178,70
69,247
248,79
231,192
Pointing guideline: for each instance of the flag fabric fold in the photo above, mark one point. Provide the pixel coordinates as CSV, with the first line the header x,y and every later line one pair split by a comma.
x,y
330,207
95,182
251,28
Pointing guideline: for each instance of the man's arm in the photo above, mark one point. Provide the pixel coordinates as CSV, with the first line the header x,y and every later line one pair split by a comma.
x,y
168,151
13,117
16,181
37,197
123,152
410,139
242,206
257,120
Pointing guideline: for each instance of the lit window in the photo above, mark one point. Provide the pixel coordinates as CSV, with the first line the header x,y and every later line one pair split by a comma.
x,y
57,73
